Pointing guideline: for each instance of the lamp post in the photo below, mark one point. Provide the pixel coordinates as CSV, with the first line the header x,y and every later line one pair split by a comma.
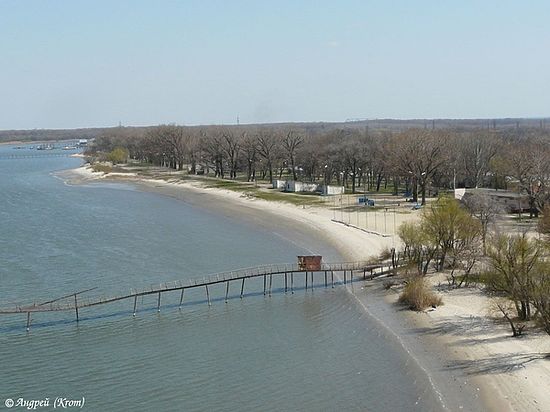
x,y
375,225
349,209
365,203
341,208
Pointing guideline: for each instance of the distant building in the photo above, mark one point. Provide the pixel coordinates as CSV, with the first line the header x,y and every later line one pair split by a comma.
x,y
510,202
279,184
83,143
333,190
295,186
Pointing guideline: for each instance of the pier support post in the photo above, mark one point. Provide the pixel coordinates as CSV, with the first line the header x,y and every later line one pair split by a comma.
x,y
76,307
326,283
292,282
242,289
135,305
207,295
312,280
286,282
226,291
158,304
306,280
265,282
270,283
181,298
28,321
364,274
332,278
344,277
351,276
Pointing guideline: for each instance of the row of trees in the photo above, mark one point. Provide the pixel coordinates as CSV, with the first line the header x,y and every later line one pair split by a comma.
x,y
418,160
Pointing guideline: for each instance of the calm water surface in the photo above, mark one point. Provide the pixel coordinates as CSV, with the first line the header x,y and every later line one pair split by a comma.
x,y
308,351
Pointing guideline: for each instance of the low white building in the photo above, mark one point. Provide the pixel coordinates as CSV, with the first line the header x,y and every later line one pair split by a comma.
x,y
509,202
279,184
459,193
333,190
294,186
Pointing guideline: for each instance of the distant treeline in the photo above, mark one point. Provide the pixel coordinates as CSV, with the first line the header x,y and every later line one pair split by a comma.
x,y
392,125
419,159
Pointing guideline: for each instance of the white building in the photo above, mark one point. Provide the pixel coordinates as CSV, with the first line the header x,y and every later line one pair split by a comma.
x,y
333,190
294,186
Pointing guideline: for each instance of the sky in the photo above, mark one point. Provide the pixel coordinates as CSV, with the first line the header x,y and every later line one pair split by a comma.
x,y
68,64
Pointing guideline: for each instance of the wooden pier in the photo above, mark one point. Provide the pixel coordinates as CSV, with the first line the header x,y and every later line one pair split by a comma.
x,y
74,302
7,156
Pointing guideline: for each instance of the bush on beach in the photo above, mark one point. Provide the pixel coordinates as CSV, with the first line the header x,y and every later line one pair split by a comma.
x,y
101,167
417,294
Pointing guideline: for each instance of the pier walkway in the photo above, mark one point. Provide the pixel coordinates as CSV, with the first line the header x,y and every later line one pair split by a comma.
x,y
74,302
35,156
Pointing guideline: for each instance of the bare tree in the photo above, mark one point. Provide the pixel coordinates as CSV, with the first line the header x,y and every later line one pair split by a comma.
x,y
352,151
212,147
419,155
231,148
268,148
529,165
476,152
291,142
514,262
485,210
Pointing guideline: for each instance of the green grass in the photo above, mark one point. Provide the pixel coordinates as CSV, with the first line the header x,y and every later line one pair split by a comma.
x,y
251,190
229,185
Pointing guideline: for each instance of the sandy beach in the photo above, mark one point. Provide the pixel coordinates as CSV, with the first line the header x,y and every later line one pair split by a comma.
x,y
468,356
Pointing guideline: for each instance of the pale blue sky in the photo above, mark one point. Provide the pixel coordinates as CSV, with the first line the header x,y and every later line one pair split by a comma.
x,y
77,63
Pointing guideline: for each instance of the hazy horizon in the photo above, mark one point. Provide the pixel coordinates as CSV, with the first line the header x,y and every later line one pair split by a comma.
x,y
373,121
95,64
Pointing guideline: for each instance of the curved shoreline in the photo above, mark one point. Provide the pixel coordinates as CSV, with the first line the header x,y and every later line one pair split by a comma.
x,y
345,241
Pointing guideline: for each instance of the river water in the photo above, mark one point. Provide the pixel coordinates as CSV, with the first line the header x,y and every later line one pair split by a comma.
x,y
312,350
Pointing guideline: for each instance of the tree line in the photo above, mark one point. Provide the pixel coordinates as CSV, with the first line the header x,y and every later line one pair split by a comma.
x,y
418,161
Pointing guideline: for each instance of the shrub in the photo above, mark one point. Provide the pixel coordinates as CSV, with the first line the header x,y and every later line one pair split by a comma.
x,y
99,167
418,296
385,254
118,155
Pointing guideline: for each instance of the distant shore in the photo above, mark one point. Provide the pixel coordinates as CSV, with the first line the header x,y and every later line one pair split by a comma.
x,y
466,356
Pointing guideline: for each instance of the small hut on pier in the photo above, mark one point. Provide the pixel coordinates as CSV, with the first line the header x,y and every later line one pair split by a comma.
x,y
309,262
